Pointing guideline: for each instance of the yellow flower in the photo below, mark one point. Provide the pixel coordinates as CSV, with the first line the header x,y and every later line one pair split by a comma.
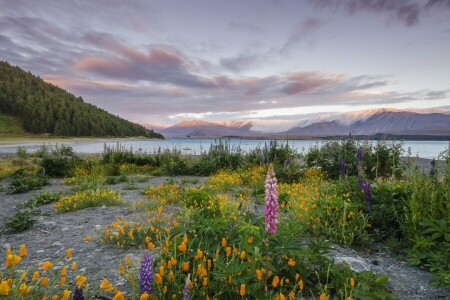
x,y
275,281
242,256
88,238
12,260
44,281
127,261
80,280
69,253
55,297
185,266
121,270
46,265
258,274
23,250
65,295
161,271
150,246
64,271
352,282
24,289
205,281
250,239
291,262
165,290
144,296
182,247
348,298
224,242
74,266
300,284
158,278
35,276
4,288
281,297
119,296
242,290
106,286
322,297
228,251
291,295
62,280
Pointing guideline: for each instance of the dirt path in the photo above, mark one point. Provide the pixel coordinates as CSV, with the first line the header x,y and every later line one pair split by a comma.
x,y
54,233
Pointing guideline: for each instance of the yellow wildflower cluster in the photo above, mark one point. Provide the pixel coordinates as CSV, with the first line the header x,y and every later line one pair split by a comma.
x,y
253,176
82,200
153,230
165,193
224,181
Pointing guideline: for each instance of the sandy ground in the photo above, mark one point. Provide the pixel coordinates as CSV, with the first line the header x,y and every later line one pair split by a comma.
x,y
54,233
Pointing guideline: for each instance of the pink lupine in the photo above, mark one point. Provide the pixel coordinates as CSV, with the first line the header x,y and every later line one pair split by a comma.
x,y
271,202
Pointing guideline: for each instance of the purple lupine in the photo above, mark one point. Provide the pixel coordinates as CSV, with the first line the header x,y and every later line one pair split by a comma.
x,y
78,295
146,273
360,182
433,168
342,167
271,202
359,155
186,292
367,194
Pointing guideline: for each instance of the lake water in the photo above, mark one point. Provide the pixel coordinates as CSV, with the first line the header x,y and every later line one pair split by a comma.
x,y
424,149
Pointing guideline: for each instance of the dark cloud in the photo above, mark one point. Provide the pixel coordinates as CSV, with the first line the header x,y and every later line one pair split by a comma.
x,y
405,11
299,82
438,3
240,62
304,31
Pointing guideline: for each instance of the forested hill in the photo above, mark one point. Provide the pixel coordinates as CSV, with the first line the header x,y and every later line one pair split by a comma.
x,y
45,108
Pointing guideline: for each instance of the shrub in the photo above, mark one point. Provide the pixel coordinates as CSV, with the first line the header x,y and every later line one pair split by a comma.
x,y
22,182
60,162
23,219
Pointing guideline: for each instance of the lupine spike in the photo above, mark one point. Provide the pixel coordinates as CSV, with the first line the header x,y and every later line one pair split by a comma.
x,y
78,295
186,292
146,273
271,202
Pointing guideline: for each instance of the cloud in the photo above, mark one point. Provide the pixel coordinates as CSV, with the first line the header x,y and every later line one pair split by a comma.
x,y
299,82
438,3
405,11
245,26
303,32
240,62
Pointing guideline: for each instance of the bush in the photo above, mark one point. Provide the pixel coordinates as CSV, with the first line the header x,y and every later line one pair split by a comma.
x,y
60,162
22,182
23,219
81,200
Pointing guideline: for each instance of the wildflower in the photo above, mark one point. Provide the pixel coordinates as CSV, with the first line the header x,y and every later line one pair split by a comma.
x,y
12,260
164,290
47,265
121,269
185,266
106,286
69,253
144,296
23,251
74,266
65,295
281,297
224,242
323,297
35,276
205,281
186,293
348,298
44,281
275,281
78,295
300,284
271,202
158,278
24,289
258,274
62,281
64,271
4,288
88,238
352,282
228,251
146,275
291,262
127,261
242,256
182,247
242,290
55,297
367,194
250,239
433,168
80,280
291,295
359,155
119,296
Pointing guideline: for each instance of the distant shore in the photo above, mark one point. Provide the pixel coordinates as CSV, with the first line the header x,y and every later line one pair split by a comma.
x,y
38,141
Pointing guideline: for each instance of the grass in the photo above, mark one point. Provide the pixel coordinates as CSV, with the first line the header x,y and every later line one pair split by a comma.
x,y
11,126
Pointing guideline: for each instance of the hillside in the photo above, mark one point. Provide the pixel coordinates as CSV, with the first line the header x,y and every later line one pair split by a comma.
x,y
10,126
43,108
207,129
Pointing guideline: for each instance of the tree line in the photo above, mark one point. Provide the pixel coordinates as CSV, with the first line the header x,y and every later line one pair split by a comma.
x,y
45,108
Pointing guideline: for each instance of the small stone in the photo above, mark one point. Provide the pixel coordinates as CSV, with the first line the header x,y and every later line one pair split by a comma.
x,y
422,288
357,265
65,229
49,223
57,243
98,226
40,251
6,246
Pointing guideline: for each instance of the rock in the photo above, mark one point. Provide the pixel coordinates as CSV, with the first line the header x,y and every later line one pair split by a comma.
x,y
57,244
6,246
356,264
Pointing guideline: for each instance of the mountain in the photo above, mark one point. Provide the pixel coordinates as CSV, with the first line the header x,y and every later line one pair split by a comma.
x,y
199,128
431,122
41,107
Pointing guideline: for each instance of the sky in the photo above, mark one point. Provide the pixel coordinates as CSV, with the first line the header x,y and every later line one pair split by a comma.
x,y
271,62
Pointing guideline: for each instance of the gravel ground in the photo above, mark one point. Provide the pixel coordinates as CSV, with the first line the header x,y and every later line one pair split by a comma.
x,y
54,233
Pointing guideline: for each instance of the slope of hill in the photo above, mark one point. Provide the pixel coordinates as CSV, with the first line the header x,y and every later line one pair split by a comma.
x,y
207,129
44,108
10,126
381,121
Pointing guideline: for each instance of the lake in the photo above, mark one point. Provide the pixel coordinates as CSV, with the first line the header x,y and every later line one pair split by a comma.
x,y
424,149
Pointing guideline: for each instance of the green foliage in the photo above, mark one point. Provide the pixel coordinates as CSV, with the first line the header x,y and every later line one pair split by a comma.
x,y
23,219
379,160
22,182
60,162
45,108
45,197
10,126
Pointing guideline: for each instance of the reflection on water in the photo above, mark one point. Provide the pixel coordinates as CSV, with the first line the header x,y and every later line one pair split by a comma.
x,y
425,149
